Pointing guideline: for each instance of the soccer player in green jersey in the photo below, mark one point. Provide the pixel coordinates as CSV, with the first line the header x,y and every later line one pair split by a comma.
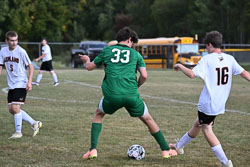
x,y
120,88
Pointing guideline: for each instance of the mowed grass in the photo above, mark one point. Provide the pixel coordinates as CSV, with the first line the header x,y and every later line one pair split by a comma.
x,y
67,111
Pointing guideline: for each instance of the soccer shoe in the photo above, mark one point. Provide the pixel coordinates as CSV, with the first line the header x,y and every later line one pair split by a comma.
x,y
36,126
169,153
90,155
16,135
229,164
179,150
56,84
35,83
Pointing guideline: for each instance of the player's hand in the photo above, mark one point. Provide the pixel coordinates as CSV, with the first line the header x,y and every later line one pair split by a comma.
x,y
84,58
36,60
176,67
29,87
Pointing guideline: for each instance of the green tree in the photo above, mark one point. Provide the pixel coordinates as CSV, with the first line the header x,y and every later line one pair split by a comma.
x,y
171,17
140,13
4,8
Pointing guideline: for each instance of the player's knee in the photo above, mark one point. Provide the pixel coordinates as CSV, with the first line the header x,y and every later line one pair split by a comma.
x,y
206,128
99,113
14,111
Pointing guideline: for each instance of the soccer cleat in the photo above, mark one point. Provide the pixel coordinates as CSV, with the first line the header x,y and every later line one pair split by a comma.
x,y
56,84
36,126
16,135
229,164
35,83
90,155
169,153
179,150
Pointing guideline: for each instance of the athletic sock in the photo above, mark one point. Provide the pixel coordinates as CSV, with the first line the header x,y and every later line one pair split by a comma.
x,y
185,139
39,77
161,140
18,122
27,118
218,151
55,77
95,133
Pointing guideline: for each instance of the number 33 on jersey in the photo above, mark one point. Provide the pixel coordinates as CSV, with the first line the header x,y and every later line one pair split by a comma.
x,y
118,56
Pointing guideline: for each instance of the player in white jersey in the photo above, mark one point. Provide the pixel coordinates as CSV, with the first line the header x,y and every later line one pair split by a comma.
x,y
217,70
15,59
46,63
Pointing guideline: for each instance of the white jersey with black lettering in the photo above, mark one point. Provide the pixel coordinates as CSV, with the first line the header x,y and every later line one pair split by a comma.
x,y
15,62
46,50
216,70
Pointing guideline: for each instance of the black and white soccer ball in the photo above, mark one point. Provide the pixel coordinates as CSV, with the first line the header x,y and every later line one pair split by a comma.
x,y
136,152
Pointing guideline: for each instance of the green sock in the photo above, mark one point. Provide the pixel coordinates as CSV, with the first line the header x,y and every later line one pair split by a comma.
x,y
95,133
161,140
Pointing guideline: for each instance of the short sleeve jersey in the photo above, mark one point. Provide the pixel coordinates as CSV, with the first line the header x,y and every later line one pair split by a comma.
x,y
15,62
46,50
121,63
216,70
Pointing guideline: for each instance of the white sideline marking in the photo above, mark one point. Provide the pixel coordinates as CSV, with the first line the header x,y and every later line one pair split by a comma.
x,y
167,99
82,83
184,102
5,90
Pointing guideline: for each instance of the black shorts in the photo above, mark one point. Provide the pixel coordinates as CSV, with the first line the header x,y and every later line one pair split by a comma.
x,y
47,66
206,119
17,96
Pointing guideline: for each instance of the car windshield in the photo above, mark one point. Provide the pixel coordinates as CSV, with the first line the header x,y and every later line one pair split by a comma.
x,y
95,46
187,48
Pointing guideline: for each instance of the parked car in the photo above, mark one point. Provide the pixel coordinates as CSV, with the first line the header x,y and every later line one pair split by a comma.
x,y
90,48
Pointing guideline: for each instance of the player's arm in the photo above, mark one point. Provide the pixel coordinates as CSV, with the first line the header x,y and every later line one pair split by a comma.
x,y
188,72
1,67
143,76
31,72
245,75
89,65
40,57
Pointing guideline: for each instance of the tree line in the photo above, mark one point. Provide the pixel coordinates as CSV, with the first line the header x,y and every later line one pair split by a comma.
x,y
77,20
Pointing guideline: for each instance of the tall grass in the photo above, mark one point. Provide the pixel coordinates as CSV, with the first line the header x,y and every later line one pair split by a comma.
x,y
67,110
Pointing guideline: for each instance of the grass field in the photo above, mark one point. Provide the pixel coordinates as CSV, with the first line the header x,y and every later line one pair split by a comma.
x,y
67,110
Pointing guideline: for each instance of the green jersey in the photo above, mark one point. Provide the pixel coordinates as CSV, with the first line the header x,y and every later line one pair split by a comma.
x,y
121,63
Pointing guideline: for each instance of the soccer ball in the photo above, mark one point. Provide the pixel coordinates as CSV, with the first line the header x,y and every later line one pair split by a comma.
x,y
136,152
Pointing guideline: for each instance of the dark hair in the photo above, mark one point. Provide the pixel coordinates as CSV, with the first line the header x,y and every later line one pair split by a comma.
x,y
43,38
10,34
126,33
213,37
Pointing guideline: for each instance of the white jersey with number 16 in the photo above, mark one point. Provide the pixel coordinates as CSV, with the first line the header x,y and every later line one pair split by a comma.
x,y
216,70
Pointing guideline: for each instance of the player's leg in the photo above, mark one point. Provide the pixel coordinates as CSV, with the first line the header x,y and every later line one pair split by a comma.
x,y
39,77
155,131
54,76
15,98
96,129
215,144
52,72
27,118
15,110
35,125
187,137
40,73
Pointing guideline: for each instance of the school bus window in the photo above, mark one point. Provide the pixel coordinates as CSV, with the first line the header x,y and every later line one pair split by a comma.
x,y
166,52
187,48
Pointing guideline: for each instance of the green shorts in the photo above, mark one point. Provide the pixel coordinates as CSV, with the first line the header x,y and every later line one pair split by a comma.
x,y
133,104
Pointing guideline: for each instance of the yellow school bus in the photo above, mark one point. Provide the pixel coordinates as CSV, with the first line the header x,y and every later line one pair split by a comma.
x,y
166,52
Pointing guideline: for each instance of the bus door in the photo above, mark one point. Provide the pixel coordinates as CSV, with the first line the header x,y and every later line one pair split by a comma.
x,y
169,56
